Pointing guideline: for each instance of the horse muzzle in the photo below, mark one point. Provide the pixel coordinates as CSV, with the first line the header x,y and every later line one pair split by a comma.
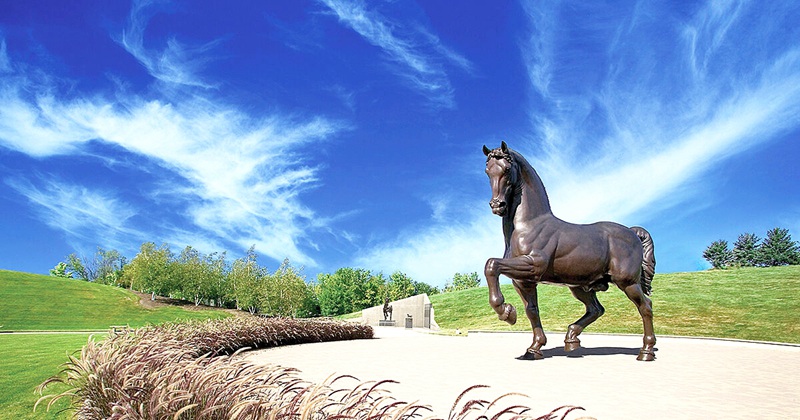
x,y
498,206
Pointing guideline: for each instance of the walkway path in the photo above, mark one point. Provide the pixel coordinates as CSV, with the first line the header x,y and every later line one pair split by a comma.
x,y
691,378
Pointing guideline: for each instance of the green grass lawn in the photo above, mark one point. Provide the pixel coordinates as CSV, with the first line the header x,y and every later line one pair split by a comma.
x,y
28,360
747,303
32,302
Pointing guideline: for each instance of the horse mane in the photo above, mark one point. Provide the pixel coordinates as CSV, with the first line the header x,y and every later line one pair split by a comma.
x,y
527,169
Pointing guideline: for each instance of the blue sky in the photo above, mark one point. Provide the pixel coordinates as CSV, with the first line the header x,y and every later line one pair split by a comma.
x,y
348,133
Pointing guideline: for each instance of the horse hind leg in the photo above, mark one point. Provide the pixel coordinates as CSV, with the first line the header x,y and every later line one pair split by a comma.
x,y
645,307
594,310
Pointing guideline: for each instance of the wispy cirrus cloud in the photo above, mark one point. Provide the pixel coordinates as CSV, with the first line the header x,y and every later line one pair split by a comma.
x,y
418,55
176,63
673,100
241,176
658,118
227,176
81,213
5,62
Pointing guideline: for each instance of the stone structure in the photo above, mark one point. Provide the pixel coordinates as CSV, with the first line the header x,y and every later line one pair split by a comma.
x,y
419,307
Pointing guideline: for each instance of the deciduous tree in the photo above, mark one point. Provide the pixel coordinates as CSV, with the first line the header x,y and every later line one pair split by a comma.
x,y
463,282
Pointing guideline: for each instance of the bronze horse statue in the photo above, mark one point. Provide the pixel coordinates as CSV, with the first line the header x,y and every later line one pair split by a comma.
x,y
541,248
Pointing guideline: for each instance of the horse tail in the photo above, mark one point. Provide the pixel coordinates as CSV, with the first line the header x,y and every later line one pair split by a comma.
x,y
648,260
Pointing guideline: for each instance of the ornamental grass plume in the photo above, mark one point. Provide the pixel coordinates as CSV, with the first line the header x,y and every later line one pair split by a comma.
x,y
194,371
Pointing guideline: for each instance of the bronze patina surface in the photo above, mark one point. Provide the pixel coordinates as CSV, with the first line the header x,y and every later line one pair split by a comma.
x,y
541,248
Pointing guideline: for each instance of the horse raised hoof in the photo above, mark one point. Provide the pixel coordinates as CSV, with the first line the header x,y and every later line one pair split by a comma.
x,y
572,345
509,314
531,355
646,355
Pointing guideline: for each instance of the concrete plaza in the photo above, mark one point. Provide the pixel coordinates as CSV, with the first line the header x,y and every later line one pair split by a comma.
x,y
690,379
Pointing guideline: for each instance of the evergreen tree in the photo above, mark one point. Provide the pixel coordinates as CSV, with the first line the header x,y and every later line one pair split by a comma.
x,y
718,254
779,249
745,251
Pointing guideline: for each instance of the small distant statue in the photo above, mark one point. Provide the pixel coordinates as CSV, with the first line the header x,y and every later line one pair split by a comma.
x,y
387,310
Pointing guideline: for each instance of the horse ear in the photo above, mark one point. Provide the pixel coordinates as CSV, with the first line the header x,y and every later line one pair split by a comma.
x,y
486,150
504,147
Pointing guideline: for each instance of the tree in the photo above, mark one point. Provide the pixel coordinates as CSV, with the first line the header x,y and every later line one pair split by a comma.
x,y
60,270
425,288
745,250
718,254
151,270
105,267
76,267
399,286
246,281
778,249
285,292
463,282
348,290
200,276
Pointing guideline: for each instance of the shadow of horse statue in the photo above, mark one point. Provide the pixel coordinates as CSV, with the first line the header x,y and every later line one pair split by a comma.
x,y
541,248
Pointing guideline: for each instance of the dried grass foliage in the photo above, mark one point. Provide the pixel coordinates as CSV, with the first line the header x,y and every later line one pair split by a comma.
x,y
193,371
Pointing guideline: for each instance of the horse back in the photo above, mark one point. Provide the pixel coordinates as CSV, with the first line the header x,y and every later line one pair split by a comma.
x,y
587,253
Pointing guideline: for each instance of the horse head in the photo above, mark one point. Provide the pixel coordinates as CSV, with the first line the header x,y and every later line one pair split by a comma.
x,y
503,175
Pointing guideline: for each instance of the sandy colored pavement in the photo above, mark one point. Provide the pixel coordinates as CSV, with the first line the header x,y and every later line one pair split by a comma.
x,y
690,379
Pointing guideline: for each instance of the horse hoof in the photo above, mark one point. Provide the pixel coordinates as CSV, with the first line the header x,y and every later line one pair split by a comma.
x,y
532,355
509,314
512,317
572,345
646,356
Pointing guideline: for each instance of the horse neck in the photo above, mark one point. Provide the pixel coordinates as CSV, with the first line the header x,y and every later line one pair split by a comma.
x,y
530,200
533,200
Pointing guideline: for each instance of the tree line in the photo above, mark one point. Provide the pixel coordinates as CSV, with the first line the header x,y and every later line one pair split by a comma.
x,y
244,284
777,248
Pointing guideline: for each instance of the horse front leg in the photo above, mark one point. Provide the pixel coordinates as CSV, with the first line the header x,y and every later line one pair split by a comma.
x,y
529,296
523,267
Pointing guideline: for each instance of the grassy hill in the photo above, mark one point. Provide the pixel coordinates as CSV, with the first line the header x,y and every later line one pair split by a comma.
x,y
36,302
746,303
32,302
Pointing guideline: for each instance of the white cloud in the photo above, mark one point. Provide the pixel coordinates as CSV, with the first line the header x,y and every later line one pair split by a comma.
x,y
82,213
656,142
239,177
436,252
417,53
660,137
177,63
5,62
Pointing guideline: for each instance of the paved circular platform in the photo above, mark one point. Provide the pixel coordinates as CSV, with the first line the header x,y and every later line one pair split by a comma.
x,y
690,379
